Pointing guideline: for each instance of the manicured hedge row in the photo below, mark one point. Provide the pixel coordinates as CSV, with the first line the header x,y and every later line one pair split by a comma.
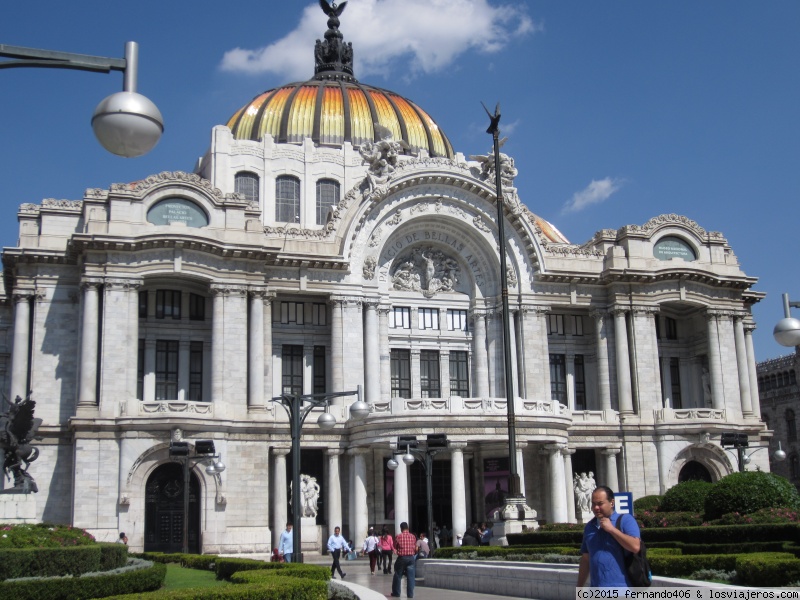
x,y
72,560
312,572
766,570
681,566
202,562
731,534
485,551
225,567
76,588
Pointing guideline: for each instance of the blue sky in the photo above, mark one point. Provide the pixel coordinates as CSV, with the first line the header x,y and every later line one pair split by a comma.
x,y
616,111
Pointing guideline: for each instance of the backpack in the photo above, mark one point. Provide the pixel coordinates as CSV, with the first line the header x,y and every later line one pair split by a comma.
x,y
636,566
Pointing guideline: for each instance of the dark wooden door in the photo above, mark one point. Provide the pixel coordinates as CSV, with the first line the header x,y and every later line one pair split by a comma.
x,y
163,521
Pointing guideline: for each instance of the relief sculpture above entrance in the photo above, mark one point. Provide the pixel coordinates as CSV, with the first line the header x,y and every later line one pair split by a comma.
x,y
425,269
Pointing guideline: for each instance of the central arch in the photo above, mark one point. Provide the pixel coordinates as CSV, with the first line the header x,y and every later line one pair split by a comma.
x,y
164,510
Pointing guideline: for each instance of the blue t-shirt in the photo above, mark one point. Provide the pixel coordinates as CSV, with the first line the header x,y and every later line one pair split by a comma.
x,y
606,556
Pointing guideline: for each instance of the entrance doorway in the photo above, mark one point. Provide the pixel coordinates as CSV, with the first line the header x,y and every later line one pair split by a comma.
x,y
442,497
163,517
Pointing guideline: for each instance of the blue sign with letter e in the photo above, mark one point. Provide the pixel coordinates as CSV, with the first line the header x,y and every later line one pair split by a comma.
x,y
623,503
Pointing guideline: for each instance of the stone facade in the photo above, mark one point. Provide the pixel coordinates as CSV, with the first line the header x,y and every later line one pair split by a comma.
x,y
779,396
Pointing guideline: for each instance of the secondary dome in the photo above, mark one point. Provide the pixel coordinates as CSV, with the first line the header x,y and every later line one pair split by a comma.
x,y
333,108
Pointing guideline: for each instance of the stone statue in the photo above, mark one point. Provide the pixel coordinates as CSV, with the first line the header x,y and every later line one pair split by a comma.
x,y
507,169
584,485
427,270
381,156
18,429
309,495
332,9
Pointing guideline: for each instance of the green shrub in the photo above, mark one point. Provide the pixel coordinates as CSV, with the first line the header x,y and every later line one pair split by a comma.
x,y
648,519
687,496
664,552
301,571
225,567
681,566
748,492
760,517
46,562
562,527
646,503
113,556
767,569
96,586
43,535
203,562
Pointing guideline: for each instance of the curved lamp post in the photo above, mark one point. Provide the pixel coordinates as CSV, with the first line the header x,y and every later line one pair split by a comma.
x,y
297,407
739,441
126,123
787,330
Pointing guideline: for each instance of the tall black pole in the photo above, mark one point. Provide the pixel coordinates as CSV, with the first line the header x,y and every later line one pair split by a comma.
x,y
513,478
429,491
296,425
185,532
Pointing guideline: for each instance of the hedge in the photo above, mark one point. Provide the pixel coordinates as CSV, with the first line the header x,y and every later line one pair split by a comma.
x,y
312,572
484,551
687,496
225,567
202,562
94,586
767,570
748,492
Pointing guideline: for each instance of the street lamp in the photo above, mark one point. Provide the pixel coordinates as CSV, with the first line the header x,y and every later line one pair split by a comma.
x,y
514,490
787,330
433,444
739,441
297,407
126,123
204,452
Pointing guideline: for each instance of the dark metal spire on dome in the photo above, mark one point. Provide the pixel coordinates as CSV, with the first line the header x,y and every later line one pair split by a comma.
x,y
333,58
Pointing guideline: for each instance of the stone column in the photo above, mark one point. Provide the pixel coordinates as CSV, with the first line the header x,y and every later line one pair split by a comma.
x,y
755,402
358,528
184,354
458,489
133,336
400,492
521,466
218,348
267,352
256,343
334,503
663,466
149,384
623,363
603,371
742,366
416,378
569,365
512,340
480,363
87,391
372,354
612,479
567,453
714,366
444,373
645,360
337,345
280,495
21,348
666,375
386,362
536,358
557,484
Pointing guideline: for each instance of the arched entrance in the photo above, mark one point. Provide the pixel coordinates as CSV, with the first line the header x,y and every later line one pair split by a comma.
x,y
694,471
163,517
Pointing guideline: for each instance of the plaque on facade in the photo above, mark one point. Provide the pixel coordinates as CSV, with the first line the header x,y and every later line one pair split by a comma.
x,y
673,247
177,210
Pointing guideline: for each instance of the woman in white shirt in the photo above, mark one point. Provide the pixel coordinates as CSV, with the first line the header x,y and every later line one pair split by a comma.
x,y
372,549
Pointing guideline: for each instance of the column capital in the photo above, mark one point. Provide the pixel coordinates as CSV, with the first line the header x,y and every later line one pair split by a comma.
x,y
618,310
716,313
261,292
477,313
553,448
646,310
537,309
281,451
568,451
123,283
610,451
334,451
22,294
226,289
346,300
456,446
357,451
371,303
598,314
749,328
91,282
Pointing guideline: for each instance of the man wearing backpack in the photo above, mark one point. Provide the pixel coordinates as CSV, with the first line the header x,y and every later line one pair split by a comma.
x,y
604,543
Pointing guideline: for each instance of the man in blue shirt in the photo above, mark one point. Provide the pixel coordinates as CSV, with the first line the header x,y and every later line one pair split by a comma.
x,y
604,544
337,544
286,545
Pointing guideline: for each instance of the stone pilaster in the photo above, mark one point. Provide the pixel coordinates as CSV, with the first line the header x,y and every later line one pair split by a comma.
x,y
603,372
623,363
385,358
280,494
755,402
480,362
256,339
612,478
647,372
715,368
458,489
742,367
21,343
372,354
87,389
336,369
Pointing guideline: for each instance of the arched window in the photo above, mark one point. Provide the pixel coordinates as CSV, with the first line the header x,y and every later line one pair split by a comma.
x,y
287,199
792,377
791,426
794,466
781,382
247,185
327,196
773,382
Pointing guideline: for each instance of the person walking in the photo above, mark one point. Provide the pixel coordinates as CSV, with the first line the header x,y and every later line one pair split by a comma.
x,y
286,544
387,547
405,544
604,544
337,543
371,548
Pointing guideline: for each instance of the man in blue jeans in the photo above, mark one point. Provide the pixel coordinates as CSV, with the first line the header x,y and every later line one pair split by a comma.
x,y
405,545
286,544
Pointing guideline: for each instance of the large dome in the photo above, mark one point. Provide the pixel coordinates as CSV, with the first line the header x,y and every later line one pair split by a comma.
x,y
332,112
333,108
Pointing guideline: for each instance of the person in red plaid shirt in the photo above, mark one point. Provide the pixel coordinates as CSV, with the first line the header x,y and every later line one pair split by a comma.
x,y
405,545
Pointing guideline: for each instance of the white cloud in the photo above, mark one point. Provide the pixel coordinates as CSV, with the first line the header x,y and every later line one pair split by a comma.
x,y
433,33
596,192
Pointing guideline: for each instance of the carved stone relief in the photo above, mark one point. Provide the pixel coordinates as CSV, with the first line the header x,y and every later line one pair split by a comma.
x,y
427,270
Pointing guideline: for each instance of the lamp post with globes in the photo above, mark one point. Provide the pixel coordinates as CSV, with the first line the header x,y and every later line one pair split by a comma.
x,y
787,330
739,441
126,123
297,407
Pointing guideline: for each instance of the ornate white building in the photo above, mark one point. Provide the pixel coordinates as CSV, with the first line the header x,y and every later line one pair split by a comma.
x,y
313,250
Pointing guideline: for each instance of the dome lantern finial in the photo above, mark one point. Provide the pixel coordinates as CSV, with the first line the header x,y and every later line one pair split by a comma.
x,y
333,58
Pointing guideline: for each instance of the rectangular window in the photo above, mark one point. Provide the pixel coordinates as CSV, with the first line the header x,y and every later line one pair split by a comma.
x,y
457,319
401,373
292,369
319,313
197,307
292,312
671,325
558,378
580,384
287,199
428,318
196,371
555,324
166,369
400,317
577,325
142,305
320,379
327,198
459,373
675,375
168,304
140,371
429,374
